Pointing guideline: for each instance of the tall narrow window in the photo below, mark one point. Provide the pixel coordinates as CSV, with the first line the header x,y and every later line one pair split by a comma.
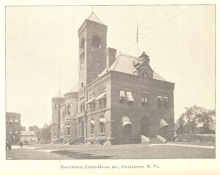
x,y
63,113
102,124
130,99
67,107
68,131
92,125
165,102
104,102
122,97
82,60
159,102
100,104
93,106
82,107
144,99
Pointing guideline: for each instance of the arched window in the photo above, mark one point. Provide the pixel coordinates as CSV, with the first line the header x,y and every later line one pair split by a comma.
x,y
96,41
102,124
82,44
144,74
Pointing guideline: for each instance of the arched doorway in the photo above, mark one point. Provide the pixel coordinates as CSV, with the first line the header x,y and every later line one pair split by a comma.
x,y
145,126
81,128
126,129
163,128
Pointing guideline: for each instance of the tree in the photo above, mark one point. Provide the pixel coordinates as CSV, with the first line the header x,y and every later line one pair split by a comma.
x,y
197,117
22,128
46,133
37,131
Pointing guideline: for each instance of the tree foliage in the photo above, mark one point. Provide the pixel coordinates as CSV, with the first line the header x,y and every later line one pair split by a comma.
x,y
46,133
37,131
22,128
198,118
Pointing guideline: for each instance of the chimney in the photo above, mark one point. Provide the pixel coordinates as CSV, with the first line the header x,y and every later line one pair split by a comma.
x,y
110,57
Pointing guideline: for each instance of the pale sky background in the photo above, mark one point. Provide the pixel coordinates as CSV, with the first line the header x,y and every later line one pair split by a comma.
x,y
42,40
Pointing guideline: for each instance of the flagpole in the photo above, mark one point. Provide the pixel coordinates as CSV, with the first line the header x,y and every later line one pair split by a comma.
x,y
137,38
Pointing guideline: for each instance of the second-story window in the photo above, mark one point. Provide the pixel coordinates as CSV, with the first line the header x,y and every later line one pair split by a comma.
x,y
165,102
130,99
104,102
63,114
82,107
93,106
122,97
68,109
144,99
159,102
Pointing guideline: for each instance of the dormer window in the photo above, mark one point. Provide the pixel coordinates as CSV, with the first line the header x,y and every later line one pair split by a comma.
x,y
96,41
144,74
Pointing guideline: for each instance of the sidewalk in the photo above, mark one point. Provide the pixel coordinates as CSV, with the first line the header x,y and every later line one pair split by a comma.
x,y
185,145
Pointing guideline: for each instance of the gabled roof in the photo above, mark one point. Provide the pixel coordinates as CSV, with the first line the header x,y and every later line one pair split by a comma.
x,y
94,18
27,133
124,63
59,95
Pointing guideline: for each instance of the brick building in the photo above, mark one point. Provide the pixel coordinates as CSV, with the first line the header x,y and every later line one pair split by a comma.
x,y
119,98
13,127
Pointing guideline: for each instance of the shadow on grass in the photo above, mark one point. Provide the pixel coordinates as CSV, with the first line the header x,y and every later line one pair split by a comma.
x,y
78,155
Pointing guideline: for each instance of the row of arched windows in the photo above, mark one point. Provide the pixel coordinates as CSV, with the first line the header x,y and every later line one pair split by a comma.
x,y
96,42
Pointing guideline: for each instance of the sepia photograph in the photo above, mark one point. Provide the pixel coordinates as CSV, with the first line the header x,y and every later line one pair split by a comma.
x,y
110,82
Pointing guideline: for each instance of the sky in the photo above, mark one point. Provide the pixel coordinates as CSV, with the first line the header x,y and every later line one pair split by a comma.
x,y
42,41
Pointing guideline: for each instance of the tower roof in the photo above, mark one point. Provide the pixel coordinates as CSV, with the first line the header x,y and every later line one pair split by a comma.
x,y
74,89
59,95
94,18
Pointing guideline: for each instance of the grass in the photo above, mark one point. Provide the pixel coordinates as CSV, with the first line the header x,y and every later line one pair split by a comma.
x,y
29,154
135,151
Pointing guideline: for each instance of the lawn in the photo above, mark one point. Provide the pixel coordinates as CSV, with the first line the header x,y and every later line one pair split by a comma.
x,y
135,151
29,154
